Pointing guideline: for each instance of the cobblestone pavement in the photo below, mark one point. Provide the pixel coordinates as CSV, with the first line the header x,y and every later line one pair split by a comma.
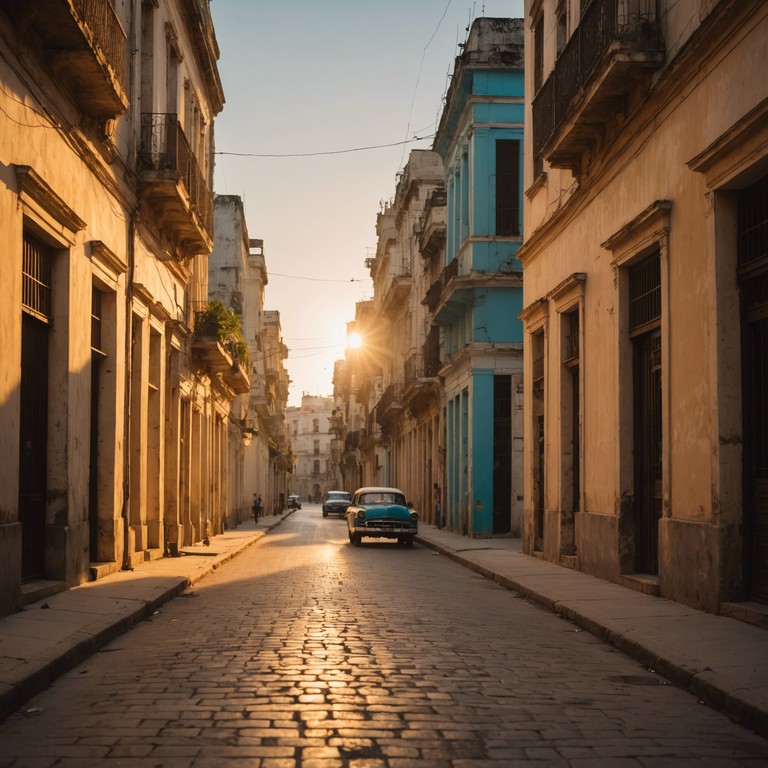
x,y
306,651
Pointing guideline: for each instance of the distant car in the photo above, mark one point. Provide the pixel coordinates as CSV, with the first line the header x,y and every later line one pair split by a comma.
x,y
336,502
381,513
294,502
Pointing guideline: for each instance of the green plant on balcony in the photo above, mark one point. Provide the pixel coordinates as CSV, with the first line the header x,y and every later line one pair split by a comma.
x,y
216,320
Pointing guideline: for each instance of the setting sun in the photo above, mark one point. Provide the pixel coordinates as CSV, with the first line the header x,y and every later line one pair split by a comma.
x,y
354,340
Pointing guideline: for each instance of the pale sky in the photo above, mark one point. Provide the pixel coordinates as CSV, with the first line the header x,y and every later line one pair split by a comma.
x,y
323,76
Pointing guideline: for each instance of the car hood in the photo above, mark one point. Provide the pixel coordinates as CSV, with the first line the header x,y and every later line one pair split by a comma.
x,y
389,511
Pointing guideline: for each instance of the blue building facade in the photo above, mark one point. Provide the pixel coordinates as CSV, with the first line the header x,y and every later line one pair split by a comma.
x,y
480,139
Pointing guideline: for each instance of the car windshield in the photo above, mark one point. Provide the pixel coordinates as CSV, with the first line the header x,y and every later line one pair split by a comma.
x,y
381,497
339,496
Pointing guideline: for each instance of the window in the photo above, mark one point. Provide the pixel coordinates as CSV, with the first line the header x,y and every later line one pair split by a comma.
x,y
562,26
315,425
316,467
316,447
538,53
508,187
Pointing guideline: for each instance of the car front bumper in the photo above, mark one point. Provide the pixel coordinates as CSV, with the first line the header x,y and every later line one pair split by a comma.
x,y
385,529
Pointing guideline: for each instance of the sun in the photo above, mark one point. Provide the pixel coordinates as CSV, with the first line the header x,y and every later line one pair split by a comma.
x,y
354,340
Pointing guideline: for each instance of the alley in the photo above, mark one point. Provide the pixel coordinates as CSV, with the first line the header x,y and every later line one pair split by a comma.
x,y
306,651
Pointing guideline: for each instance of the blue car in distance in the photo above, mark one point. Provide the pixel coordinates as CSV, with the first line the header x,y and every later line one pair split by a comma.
x,y
381,513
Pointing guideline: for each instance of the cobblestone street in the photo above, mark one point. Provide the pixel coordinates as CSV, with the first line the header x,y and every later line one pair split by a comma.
x,y
306,651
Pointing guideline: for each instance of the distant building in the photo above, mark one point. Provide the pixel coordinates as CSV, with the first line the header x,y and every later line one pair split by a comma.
x,y
646,310
237,275
310,436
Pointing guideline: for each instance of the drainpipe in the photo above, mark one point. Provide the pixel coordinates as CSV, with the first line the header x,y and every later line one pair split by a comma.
x,y
126,513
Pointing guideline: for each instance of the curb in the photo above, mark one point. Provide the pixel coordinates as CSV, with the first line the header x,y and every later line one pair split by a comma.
x,y
735,704
45,671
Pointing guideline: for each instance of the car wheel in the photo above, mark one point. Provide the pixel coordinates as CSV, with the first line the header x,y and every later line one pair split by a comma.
x,y
325,514
409,541
357,539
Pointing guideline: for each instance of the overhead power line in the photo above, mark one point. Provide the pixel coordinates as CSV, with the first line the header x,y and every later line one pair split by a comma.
x,y
317,279
329,152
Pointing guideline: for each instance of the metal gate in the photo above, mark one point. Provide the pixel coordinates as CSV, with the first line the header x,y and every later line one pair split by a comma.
x,y
33,428
753,277
645,316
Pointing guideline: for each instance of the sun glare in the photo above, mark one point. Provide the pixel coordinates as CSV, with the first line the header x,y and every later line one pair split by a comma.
x,y
354,341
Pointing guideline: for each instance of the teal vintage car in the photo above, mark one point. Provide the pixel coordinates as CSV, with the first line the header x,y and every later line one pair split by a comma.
x,y
381,513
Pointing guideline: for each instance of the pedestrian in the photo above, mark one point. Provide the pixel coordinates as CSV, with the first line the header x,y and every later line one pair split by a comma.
x,y
438,520
256,507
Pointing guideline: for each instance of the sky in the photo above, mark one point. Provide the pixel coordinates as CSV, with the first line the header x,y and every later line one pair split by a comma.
x,y
308,84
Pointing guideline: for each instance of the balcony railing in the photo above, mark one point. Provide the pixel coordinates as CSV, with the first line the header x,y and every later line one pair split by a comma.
x,y
164,147
108,34
634,25
390,403
85,46
434,292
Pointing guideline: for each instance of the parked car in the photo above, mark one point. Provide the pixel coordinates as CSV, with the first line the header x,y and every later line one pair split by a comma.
x,y
294,501
381,513
336,502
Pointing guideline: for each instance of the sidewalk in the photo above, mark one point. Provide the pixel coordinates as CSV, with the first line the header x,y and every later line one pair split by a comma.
x,y
49,637
722,661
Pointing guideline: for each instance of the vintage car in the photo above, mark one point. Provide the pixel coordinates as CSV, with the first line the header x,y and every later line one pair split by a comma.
x,y
381,513
336,503
294,501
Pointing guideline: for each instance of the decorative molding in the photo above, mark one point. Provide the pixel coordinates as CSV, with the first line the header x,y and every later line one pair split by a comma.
x,y
736,150
38,197
643,230
107,259
569,289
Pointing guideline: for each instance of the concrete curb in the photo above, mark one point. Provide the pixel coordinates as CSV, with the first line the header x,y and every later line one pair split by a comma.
x,y
41,671
741,705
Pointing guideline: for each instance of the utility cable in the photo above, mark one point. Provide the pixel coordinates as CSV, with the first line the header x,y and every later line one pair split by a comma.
x,y
329,152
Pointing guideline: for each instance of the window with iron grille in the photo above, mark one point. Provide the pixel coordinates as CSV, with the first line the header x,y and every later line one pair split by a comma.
x,y
36,278
571,337
96,321
645,293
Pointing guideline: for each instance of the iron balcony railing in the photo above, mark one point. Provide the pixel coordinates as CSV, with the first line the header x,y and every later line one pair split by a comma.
x,y
603,22
107,33
434,292
164,147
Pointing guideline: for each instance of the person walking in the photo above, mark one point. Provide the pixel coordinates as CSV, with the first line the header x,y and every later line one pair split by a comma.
x,y
256,507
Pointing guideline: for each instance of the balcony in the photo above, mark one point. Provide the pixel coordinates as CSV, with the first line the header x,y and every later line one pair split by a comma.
x,y
397,291
220,352
85,46
173,185
433,227
390,405
421,385
610,57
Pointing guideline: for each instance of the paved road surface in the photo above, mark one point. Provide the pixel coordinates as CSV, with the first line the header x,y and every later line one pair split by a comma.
x,y
306,651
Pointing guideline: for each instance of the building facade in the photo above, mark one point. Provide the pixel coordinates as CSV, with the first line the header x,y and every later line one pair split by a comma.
x,y
645,310
309,430
405,409
116,390
478,297
238,277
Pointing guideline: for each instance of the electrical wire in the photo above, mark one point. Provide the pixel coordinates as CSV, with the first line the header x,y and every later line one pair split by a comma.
x,y
418,77
328,152
317,279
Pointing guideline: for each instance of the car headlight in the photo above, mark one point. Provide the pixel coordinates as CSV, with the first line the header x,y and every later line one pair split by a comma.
x,y
414,517
361,514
